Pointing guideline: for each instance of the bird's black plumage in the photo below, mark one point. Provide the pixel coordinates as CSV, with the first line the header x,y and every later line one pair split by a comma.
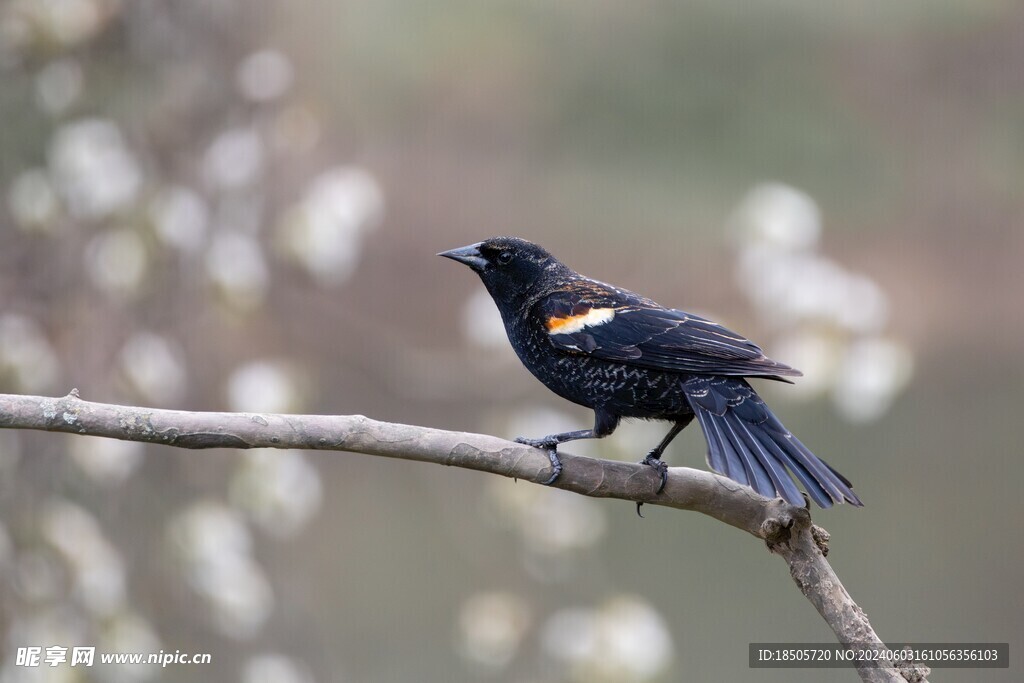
x,y
623,355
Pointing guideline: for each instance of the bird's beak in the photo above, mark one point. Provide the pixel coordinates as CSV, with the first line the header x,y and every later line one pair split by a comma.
x,y
469,255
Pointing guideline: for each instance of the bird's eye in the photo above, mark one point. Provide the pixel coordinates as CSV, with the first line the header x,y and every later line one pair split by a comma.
x,y
505,257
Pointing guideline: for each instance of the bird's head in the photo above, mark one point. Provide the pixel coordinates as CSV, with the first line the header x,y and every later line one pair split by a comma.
x,y
509,267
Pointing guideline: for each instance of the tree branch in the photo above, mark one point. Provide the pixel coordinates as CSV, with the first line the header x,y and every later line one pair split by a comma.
x,y
787,530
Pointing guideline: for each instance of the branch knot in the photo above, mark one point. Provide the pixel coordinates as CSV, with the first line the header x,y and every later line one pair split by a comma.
x,y
783,524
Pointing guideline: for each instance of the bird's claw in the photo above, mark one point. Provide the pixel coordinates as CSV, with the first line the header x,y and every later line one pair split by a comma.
x,y
556,467
550,447
654,461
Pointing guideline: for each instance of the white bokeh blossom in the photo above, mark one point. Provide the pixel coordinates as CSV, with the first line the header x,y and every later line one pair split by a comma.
x,y
265,386
117,262
491,628
275,668
180,218
279,490
27,358
830,322
154,366
874,370
238,269
623,640
66,23
58,85
234,159
93,169
324,232
214,548
481,322
107,462
128,632
97,567
33,202
264,75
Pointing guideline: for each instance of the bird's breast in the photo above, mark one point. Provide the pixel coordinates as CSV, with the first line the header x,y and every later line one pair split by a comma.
x,y
590,381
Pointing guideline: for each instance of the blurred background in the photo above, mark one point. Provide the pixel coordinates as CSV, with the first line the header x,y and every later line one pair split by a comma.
x,y
228,205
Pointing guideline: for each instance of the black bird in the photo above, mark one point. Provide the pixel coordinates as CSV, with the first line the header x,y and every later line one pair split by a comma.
x,y
623,355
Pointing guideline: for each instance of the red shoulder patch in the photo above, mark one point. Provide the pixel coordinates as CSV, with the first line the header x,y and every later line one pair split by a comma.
x,y
579,319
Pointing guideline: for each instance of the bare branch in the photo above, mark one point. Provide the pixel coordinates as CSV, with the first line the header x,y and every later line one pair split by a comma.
x,y
787,530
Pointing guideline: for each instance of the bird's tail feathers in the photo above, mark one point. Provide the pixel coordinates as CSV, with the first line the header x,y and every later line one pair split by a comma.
x,y
748,444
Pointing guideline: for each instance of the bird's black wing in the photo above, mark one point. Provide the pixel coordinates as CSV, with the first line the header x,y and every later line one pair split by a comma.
x,y
599,320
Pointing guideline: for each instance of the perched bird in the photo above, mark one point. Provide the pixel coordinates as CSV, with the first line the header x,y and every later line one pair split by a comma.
x,y
623,355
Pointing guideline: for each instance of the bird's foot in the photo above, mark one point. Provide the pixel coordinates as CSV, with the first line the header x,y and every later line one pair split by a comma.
x,y
652,460
546,443
549,446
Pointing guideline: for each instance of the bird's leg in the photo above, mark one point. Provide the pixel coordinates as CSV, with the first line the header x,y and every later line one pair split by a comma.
x,y
604,424
653,458
552,440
